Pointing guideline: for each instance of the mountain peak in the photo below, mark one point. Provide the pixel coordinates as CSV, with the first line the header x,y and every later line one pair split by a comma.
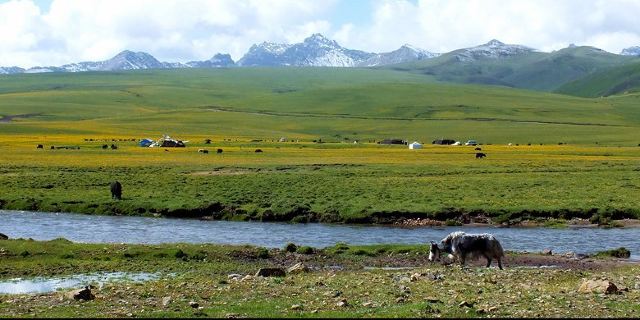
x,y
318,38
631,51
495,43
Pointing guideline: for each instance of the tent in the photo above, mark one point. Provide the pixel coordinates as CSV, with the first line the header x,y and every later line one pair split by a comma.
x,y
415,145
167,141
145,142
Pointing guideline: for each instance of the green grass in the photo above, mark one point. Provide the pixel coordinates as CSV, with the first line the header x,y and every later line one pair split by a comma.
x,y
200,274
569,156
615,81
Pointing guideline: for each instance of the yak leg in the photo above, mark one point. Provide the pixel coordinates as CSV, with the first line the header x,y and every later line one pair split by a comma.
x,y
499,264
488,261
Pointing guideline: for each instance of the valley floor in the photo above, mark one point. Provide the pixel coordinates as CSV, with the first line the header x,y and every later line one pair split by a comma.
x,y
329,182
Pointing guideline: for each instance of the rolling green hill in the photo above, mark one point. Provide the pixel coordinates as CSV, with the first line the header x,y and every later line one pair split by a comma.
x,y
534,70
308,103
619,80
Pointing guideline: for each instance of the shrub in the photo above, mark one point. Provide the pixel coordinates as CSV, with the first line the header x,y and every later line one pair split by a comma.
x,y
305,250
452,223
179,254
290,247
621,252
262,253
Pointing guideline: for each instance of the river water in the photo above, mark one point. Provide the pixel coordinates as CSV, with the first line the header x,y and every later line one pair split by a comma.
x,y
142,230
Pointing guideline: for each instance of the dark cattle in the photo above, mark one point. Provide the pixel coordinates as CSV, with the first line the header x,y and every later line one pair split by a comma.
x,y
478,149
461,246
207,141
116,190
258,150
52,147
114,147
105,146
219,151
203,150
480,155
39,146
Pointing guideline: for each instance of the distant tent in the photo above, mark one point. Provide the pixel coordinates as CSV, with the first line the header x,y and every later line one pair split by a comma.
x,y
168,142
444,141
392,141
415,145
145,142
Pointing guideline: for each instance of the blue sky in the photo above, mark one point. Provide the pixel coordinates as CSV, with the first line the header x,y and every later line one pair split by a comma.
x,y
55,32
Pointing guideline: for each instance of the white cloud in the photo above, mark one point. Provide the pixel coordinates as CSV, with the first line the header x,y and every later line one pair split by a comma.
x,y
445,25
171,30
178,30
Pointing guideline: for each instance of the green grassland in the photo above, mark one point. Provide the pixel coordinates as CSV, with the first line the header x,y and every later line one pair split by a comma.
x,y
339,283
620,80
593,172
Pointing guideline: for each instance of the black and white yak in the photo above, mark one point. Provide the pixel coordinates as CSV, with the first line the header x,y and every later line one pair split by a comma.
x,y
460,246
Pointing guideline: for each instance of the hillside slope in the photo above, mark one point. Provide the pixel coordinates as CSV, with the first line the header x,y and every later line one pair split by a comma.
x,y
527,69
618,80
307,103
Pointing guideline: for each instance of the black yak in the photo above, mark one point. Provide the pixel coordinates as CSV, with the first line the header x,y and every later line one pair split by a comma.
x,y
116,190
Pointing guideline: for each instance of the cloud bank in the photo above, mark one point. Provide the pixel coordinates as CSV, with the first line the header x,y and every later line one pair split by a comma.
x,y
171,30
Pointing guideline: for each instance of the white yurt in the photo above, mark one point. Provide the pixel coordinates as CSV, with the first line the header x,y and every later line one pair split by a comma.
x,y
415,145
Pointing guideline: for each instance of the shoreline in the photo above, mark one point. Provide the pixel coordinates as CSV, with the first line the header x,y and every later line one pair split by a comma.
x,y
482,221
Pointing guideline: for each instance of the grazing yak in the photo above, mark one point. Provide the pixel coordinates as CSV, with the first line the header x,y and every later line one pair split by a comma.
x,y
39,146
258,150
478,149
460,245
116,190
205,151
219,151
480,155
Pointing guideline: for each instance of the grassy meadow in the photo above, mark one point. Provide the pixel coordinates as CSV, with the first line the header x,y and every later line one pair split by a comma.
x,y
343,281
569,156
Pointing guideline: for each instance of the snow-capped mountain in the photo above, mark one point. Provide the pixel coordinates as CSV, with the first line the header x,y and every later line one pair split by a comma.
x,y
632,51
264,54
125,60
11,70
315,50
218,61
406,53
493,49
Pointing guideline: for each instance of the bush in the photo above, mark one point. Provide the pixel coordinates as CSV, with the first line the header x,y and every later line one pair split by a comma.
x,y
305,250
262,253
621,252
452,223
290,247
179,254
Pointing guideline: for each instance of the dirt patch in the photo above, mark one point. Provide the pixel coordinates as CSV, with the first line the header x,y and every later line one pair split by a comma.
x,y
9,118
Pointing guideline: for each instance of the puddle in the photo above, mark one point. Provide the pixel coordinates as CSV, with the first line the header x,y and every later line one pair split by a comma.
x,y
44,285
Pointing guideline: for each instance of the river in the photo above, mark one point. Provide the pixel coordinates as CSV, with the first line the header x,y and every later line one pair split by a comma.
x,y
143,230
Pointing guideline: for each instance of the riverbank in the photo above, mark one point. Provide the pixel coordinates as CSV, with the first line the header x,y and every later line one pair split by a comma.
x,y
218,281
